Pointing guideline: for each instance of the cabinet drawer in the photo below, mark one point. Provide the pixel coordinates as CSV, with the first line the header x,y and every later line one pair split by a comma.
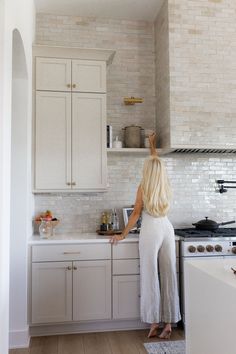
x,y
126,266
70,252
126,251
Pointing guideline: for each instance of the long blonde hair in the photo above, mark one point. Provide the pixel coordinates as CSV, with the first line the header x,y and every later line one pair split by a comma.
x,y
155,187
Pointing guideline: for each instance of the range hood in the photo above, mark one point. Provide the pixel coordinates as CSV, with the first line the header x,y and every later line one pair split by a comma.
x,y
204,151
188,149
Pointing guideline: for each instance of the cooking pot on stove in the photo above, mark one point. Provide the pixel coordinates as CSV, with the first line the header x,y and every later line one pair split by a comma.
x,y
207,224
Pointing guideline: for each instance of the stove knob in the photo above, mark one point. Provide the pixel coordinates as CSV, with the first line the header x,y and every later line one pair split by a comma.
x,y
192,249
209,248
218,248
234,250
200,248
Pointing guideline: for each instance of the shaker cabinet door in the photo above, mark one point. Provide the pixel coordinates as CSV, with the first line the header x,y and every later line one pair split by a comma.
x,y
51,292
126,297
91,290
88,76
53,74
53,141
89,158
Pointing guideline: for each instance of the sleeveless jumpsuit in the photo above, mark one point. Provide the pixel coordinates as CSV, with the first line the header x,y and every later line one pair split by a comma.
x,y
159,297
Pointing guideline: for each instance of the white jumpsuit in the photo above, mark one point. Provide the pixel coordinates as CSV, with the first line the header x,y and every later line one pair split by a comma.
x,y
159,299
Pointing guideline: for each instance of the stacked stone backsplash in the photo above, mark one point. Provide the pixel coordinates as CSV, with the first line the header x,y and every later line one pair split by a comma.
x,y
133,73
193,182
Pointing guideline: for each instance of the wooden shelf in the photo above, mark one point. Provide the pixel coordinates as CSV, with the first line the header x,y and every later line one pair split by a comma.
x,y
144,151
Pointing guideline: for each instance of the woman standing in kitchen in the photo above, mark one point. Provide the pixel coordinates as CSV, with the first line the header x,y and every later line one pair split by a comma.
x,y
159,297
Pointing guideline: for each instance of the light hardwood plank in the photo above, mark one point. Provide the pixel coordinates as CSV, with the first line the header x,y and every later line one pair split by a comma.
x,y
123,342
70,344
19,351
44,345
96,343
120,342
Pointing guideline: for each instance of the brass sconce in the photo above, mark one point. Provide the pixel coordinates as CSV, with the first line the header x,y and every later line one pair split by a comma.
x,y
130,101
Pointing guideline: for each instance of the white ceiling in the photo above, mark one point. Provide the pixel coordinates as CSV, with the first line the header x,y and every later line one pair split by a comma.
x,y
114,9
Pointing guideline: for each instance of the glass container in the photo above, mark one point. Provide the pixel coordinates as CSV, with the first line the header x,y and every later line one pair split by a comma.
x,y
45,228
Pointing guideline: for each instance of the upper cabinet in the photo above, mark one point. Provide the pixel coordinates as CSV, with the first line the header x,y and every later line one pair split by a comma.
x,y
88,76
70,121
53,74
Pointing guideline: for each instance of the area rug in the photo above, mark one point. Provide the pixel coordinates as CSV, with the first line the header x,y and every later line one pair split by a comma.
x,y
170,347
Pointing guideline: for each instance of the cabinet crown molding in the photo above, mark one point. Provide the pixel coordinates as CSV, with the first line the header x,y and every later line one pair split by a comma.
x,y
106,55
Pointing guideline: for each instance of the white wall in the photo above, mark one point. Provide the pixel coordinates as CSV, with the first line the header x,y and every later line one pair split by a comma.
x,y
14,14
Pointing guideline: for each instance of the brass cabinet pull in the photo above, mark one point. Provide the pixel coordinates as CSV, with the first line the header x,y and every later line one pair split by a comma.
x,y
68,183
74,85
68,85
73,183
71,252
69,268
75,268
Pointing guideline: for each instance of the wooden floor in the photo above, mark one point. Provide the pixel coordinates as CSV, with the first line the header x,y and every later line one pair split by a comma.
x,y
125,342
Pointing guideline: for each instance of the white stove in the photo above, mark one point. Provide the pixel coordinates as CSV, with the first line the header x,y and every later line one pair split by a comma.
x,y
203,243
199,244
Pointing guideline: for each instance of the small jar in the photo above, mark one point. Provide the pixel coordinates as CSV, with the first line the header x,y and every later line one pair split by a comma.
x,y
45,228
146,142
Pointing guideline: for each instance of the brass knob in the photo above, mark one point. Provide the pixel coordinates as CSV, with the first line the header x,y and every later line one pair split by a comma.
x,y
75,268
218,248
209,248
68,85
74,85
192,249
200,248
234,250
69,268
68,183
73,184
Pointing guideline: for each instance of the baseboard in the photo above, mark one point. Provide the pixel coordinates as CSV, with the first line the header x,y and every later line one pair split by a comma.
x,y
19,339
86,327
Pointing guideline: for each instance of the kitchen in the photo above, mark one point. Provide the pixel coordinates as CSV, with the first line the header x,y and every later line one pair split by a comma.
x,y
194,105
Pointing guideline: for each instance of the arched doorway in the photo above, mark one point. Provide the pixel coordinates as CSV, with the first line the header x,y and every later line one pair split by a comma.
x,y
19,194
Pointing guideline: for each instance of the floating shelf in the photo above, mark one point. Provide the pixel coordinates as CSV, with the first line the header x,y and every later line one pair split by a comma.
x,y
140,151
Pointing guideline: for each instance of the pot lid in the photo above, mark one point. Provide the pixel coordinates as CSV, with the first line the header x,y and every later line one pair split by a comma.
x,y
133,126
206,221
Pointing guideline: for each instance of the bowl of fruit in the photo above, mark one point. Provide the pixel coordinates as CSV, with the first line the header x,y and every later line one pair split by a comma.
x,y
48,217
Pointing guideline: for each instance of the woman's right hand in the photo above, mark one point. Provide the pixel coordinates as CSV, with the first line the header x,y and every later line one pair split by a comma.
x,y
116,238
152,139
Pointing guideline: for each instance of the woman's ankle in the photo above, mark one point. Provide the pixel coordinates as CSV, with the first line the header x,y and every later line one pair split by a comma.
x,y
167,326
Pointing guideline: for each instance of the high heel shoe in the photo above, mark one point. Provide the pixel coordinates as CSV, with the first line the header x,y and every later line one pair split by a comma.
x,y
165,334
153,332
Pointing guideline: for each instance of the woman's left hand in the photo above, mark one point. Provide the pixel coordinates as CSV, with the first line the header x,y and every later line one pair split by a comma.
x,y
116,238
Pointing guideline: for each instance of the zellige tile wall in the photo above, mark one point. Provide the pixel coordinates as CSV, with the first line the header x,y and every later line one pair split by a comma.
x,y
193,182
162,77
202,58
133,73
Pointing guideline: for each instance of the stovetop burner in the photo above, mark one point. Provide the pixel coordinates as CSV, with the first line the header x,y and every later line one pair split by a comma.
x,y
220,232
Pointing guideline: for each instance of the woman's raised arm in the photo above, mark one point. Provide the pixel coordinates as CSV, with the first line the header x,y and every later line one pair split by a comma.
x,y
153,143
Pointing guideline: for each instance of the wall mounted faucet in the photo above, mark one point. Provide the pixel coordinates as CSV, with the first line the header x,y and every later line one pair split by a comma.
x,y
222,187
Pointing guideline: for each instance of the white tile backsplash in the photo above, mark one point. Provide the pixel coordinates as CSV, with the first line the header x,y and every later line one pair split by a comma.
x,y
193,182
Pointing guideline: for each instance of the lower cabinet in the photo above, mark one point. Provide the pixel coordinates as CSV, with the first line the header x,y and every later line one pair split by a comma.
x,y
51,292
126,297
91,290
71,291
